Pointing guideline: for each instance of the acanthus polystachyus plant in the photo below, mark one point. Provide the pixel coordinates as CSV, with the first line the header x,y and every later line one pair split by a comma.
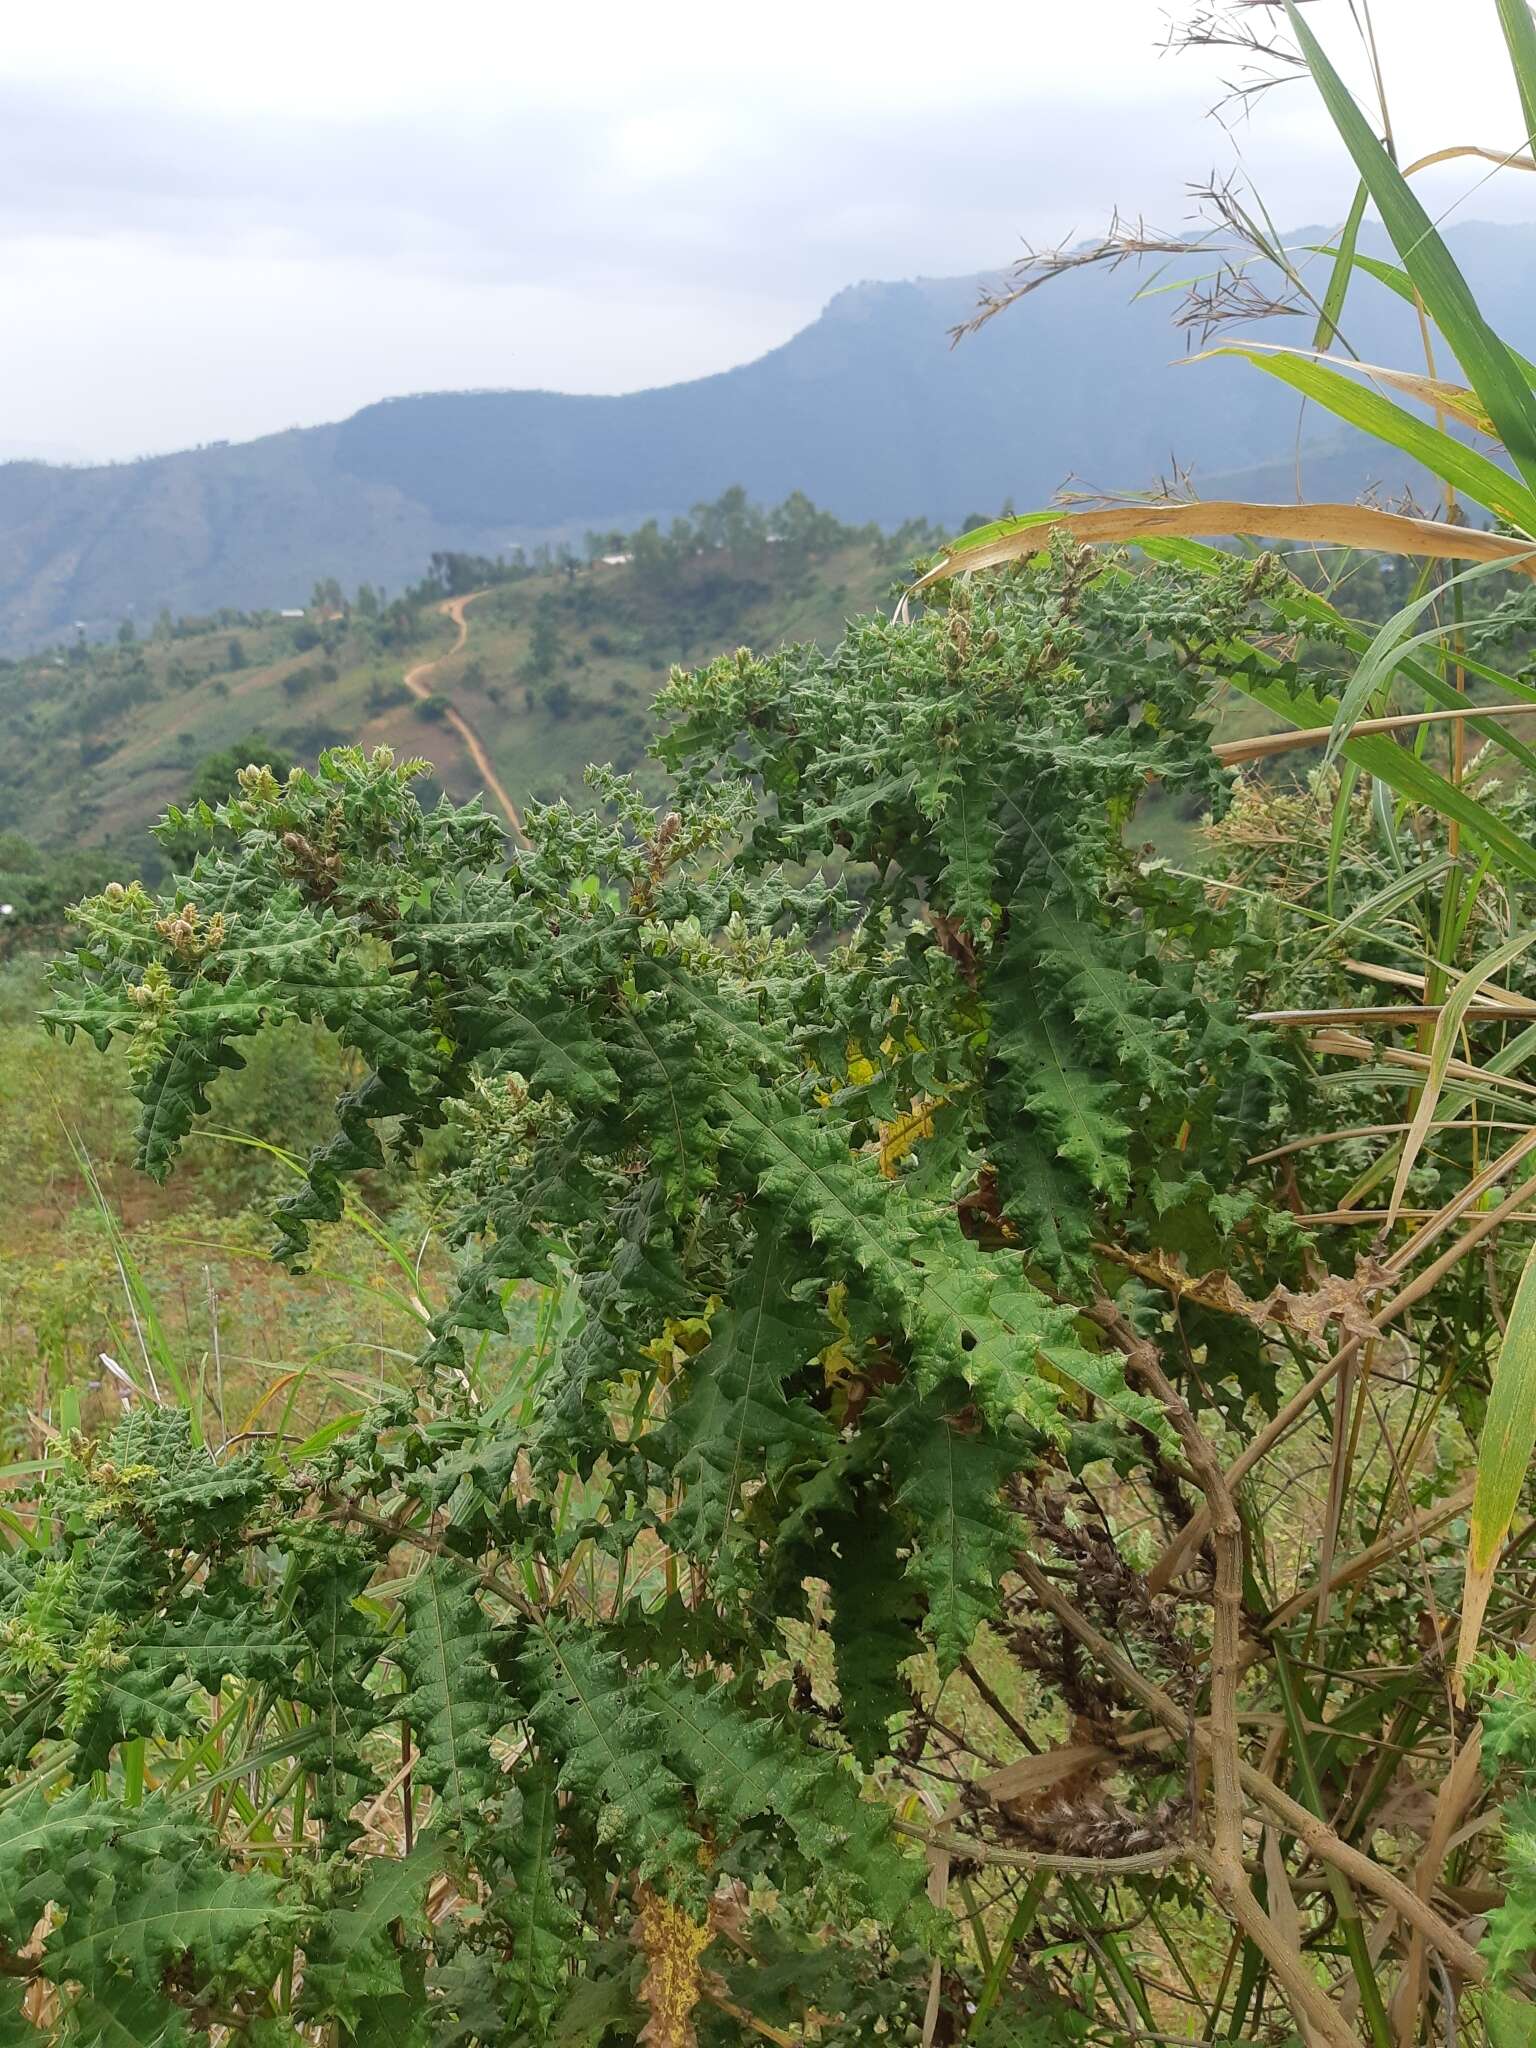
x,y
822,1095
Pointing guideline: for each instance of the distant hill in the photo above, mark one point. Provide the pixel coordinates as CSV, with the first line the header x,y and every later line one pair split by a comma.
x,y
868,410
558,670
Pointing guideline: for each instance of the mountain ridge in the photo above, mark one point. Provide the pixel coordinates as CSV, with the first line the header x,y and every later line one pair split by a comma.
x,y
868,409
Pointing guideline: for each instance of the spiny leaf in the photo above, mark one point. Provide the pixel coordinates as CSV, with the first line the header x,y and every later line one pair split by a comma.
x,y
358,1956
732,1429
453,1701
743,1765
949,1469
601,1726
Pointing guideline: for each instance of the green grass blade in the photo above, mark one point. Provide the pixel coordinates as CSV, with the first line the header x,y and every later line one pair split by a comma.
x,y
1485,361
1399,281
1302,607
1385,655
1520,41
1376,908
1327,332
1503,1458
1379,755
1384,420
1339,829
155,1348
1447,1030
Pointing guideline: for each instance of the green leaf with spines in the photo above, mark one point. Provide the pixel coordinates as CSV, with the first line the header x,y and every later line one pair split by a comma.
x,y
453,1700
746,1765
356,1964
950,1467
732,1428
600,1724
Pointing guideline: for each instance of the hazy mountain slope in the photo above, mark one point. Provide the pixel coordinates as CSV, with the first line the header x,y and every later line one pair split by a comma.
x,y
868,409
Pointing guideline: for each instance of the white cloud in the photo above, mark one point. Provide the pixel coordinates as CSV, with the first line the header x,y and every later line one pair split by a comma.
x,y
216,222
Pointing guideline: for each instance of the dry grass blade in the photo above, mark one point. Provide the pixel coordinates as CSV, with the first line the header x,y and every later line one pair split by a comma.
x,y
1350,1045
1507,160
1318,1836
1396,1013
1457,1789
1351,1131
1291,1412
1404,977
1320,524
1404,1537
1282,1908
1267,744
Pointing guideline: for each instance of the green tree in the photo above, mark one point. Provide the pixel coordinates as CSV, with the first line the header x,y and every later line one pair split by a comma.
x,y
545,648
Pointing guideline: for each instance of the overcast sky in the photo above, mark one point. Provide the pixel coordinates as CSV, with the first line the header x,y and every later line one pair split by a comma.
x,y
217,221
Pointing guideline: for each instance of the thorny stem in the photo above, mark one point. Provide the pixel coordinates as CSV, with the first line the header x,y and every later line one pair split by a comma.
x,y
1227,1594
1315,1833
1223,1863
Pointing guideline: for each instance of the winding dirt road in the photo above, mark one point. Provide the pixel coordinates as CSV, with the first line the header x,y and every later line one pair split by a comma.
x,y
415,681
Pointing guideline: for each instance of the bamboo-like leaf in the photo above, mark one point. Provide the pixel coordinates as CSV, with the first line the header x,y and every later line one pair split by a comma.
x,y
1398,280
1379,417
1326,332
1457,1003
1448,299
1385,654
1520,40
1503,1457
1318,524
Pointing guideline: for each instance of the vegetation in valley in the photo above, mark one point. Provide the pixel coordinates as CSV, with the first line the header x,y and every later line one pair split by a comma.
x,y
940,1445
566,652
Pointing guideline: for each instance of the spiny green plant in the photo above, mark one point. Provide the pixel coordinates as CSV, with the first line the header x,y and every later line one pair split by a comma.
x,y
874,1618
826,1094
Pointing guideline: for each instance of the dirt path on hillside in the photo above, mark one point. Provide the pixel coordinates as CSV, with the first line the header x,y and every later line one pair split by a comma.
x,y
415,681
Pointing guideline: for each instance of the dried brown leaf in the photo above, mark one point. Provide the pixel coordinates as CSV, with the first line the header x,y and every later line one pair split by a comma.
x,y
1339,1298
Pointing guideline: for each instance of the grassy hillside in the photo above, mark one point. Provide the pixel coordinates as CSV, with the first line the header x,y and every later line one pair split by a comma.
x,y
558,668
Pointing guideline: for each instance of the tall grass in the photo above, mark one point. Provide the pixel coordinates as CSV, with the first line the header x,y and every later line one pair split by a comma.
x,y
1424,741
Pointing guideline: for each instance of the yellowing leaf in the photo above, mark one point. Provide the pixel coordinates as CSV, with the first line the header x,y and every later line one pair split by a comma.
x,y
861,1071
682,1338
1455,399
673,1983
898,1137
